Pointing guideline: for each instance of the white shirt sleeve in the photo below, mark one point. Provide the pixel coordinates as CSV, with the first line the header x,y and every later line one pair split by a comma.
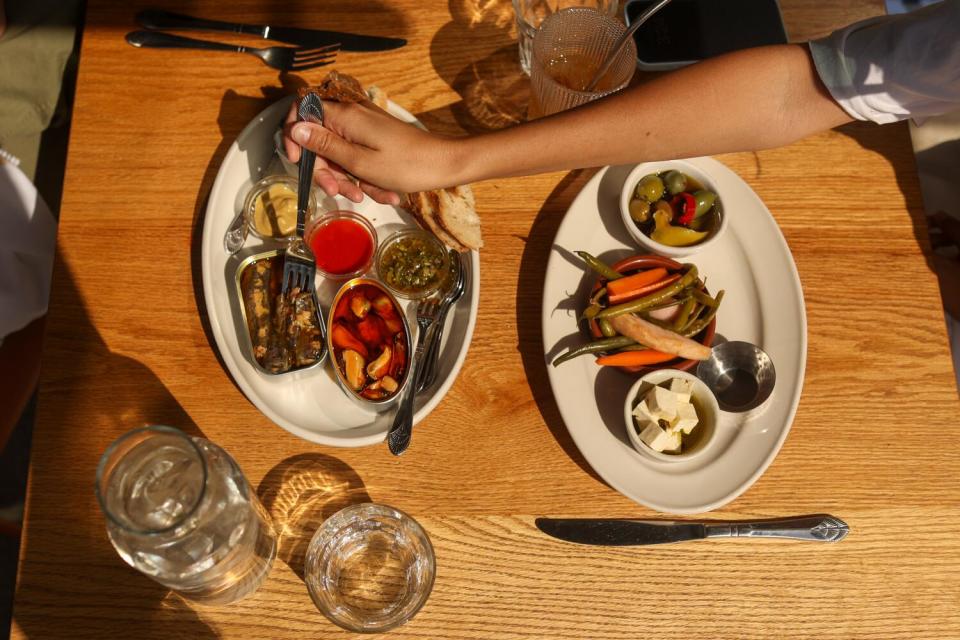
x,y
28,235
892,68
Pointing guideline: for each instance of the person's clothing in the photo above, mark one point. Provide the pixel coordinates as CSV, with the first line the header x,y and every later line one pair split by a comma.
x,y
892,68
27,244
34,50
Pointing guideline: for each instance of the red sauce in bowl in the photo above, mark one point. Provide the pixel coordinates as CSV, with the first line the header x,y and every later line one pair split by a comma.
x,y
342,246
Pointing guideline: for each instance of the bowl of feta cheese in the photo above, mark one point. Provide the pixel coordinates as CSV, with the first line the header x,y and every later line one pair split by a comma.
x,y
670,415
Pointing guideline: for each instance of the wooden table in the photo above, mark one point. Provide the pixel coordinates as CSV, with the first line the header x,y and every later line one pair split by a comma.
x,y
873,440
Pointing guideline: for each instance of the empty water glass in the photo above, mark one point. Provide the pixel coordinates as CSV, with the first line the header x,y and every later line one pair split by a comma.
x,y
180,510
530,13
370,567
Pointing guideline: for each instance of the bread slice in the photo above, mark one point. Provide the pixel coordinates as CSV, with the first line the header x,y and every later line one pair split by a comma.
x,y
423,205
339,87
457,214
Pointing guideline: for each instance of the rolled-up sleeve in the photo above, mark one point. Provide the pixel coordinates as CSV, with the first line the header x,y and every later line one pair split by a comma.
x,y
894,67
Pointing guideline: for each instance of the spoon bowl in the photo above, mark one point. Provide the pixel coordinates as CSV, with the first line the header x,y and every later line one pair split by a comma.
x,y
741,375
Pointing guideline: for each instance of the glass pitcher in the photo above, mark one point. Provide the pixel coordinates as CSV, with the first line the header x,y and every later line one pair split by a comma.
x,y
180,510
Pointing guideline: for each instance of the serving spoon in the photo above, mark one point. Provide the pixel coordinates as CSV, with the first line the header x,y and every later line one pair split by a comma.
x,y
622,40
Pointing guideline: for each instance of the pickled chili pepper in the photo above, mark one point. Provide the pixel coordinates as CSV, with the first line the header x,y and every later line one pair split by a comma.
x,y
599,266
689,209
606,344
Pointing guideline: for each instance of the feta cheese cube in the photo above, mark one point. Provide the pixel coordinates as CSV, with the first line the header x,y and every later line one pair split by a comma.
x,y
660,440
682,387
686,418
663,403
643,414
676,444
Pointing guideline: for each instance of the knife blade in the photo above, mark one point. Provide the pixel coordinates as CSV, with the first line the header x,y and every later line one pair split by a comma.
x,y
155,19
618,532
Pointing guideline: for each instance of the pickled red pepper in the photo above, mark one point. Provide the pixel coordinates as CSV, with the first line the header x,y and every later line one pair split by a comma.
x,y
689,207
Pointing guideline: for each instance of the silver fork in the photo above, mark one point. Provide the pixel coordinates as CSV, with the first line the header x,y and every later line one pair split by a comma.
x,y
431,358
282,58
398,438
299,264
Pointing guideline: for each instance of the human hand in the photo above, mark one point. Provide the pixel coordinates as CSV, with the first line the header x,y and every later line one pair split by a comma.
x,y
386,155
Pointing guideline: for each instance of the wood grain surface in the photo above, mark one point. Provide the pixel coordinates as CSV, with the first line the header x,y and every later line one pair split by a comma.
x,y
126,345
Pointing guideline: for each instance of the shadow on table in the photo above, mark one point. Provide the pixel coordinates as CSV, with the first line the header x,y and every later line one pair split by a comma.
x,y
893,143
536,252
72,581
300,493
476,54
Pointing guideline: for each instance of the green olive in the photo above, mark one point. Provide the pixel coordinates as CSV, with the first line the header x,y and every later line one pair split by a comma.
x,y
639,210
676,182
650,188
705,201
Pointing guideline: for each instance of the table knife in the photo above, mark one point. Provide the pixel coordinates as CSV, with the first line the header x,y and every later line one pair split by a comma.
x,y
816,528
154,19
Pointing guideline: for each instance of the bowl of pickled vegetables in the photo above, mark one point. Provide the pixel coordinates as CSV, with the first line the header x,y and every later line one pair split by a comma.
x,y
645,313
671,208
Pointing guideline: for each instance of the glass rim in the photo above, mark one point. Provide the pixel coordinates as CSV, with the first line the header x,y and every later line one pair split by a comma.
x,y
110,450
395,237
329,216
546,77
259,187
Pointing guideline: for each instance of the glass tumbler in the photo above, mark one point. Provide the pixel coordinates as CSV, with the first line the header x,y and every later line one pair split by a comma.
x,y
530,13
370,567
569,48
180,510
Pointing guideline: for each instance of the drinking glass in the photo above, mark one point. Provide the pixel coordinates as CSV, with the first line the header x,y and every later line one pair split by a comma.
x,y
180,510
530,13
370,567
569,48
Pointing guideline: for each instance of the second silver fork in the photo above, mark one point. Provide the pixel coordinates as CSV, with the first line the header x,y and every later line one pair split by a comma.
x,y
398,438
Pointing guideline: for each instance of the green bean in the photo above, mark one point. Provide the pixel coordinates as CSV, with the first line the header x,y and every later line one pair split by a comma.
x,y
595,298
602,268
606,328
684,314
702,323
694,316
669,303
633,347
641,304
606,344
646,316
591,312
703,298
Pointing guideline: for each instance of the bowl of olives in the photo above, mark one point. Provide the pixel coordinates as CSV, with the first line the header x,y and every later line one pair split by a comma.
x,y
671,208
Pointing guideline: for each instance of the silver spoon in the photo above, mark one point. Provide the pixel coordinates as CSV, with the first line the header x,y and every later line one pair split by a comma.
x,y
618,45
236,234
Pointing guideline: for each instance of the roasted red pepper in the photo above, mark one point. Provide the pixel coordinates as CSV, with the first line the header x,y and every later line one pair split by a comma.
x,y
687,211
343,338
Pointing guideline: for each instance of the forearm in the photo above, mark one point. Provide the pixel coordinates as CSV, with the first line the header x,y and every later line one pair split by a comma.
x,y
748,100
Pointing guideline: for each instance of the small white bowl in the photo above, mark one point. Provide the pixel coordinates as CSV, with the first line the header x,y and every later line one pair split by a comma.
x,y
626,193
708,412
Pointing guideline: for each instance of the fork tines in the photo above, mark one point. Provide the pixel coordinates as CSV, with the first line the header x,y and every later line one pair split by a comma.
x,y
312,57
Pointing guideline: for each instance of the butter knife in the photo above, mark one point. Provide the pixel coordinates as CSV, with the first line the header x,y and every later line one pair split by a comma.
x,y
155,19
815,528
